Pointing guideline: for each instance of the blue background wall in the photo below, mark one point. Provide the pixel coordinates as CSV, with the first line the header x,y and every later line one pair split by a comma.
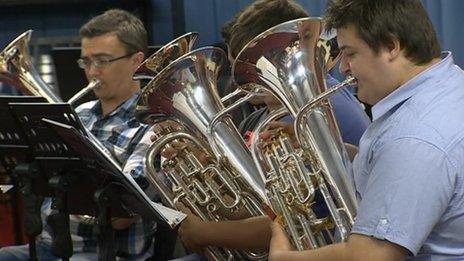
x,y
203,16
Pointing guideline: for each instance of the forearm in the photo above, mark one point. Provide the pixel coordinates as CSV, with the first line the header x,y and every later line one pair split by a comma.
x,y
247,234
331,252
357,248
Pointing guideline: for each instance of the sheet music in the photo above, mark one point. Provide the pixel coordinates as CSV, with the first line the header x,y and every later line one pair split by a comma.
x,y
5,188
171,216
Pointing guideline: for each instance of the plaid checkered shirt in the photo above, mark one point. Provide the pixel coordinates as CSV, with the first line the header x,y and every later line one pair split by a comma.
x,y
128,141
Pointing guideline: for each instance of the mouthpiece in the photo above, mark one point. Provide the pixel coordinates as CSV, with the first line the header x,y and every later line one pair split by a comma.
x,y
93,84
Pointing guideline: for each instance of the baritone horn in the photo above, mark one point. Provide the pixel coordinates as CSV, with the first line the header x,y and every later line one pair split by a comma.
x,y
92,85
185,92
290,62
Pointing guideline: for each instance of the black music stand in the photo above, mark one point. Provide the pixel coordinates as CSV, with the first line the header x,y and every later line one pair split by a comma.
x,y
59,167
17,159
95,177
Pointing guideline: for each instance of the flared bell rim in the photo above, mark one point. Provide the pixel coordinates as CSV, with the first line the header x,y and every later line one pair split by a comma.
x,y
289,26
189,38
22,40
174,66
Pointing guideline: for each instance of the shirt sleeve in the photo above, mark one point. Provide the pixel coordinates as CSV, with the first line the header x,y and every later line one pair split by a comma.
x,y
409,187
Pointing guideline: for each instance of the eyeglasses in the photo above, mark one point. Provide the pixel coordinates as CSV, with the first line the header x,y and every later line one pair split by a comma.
x,y
98,63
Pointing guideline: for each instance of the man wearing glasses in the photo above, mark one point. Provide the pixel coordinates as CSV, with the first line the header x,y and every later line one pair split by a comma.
x,y
113,46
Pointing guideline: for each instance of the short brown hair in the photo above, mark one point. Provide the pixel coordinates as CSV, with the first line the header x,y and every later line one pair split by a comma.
x,y
127,28
258,17
377,21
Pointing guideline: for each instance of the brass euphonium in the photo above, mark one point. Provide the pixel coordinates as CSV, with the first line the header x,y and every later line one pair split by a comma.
x,y
154,64
290,61
185,92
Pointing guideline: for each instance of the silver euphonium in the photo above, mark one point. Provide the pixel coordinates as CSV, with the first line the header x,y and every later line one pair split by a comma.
x,y
17,70
185,92
156,62
290,61
159,60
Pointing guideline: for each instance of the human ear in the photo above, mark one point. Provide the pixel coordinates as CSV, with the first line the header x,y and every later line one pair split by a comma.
x,y
393,48
137,59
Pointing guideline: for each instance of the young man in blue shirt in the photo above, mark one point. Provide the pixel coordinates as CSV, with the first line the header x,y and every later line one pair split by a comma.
x,y
408,172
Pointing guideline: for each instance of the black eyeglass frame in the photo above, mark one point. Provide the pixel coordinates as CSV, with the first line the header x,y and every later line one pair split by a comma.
x,y
99,63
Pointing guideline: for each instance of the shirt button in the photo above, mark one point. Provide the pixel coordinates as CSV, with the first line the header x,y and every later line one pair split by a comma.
x,y
383,221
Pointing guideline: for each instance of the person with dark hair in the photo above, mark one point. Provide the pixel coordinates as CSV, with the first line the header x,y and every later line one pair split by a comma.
x,y
257,18
254,233
408,172
113,46
262,15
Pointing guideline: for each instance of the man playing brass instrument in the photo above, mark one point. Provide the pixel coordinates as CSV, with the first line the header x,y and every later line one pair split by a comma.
x,y
113,46
254,233
408,172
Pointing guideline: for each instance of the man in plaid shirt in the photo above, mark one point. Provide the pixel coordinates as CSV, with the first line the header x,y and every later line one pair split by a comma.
x,y
113,46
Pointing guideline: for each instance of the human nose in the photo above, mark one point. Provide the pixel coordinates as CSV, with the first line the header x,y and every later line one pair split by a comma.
x,y
344,66
92,70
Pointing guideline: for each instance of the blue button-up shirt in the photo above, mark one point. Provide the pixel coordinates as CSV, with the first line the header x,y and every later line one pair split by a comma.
x,y
409,171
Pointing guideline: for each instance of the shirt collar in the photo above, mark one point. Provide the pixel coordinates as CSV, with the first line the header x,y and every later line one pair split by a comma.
x,y
412,86
126,106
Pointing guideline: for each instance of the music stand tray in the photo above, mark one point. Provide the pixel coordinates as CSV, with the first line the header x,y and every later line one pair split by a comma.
x,y
14,147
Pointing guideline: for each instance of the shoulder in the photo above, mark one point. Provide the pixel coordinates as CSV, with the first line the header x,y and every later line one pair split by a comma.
x,y
87,106
435,119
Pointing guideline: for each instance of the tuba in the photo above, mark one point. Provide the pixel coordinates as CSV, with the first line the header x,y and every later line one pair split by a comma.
x,y
290,61
185,92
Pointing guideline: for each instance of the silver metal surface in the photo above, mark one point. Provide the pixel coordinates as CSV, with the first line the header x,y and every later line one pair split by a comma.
x,y
290,61
93,84
165,55
17,70
186,92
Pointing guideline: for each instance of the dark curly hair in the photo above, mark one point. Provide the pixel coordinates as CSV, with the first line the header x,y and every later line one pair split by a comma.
x,y
377,21
257,18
